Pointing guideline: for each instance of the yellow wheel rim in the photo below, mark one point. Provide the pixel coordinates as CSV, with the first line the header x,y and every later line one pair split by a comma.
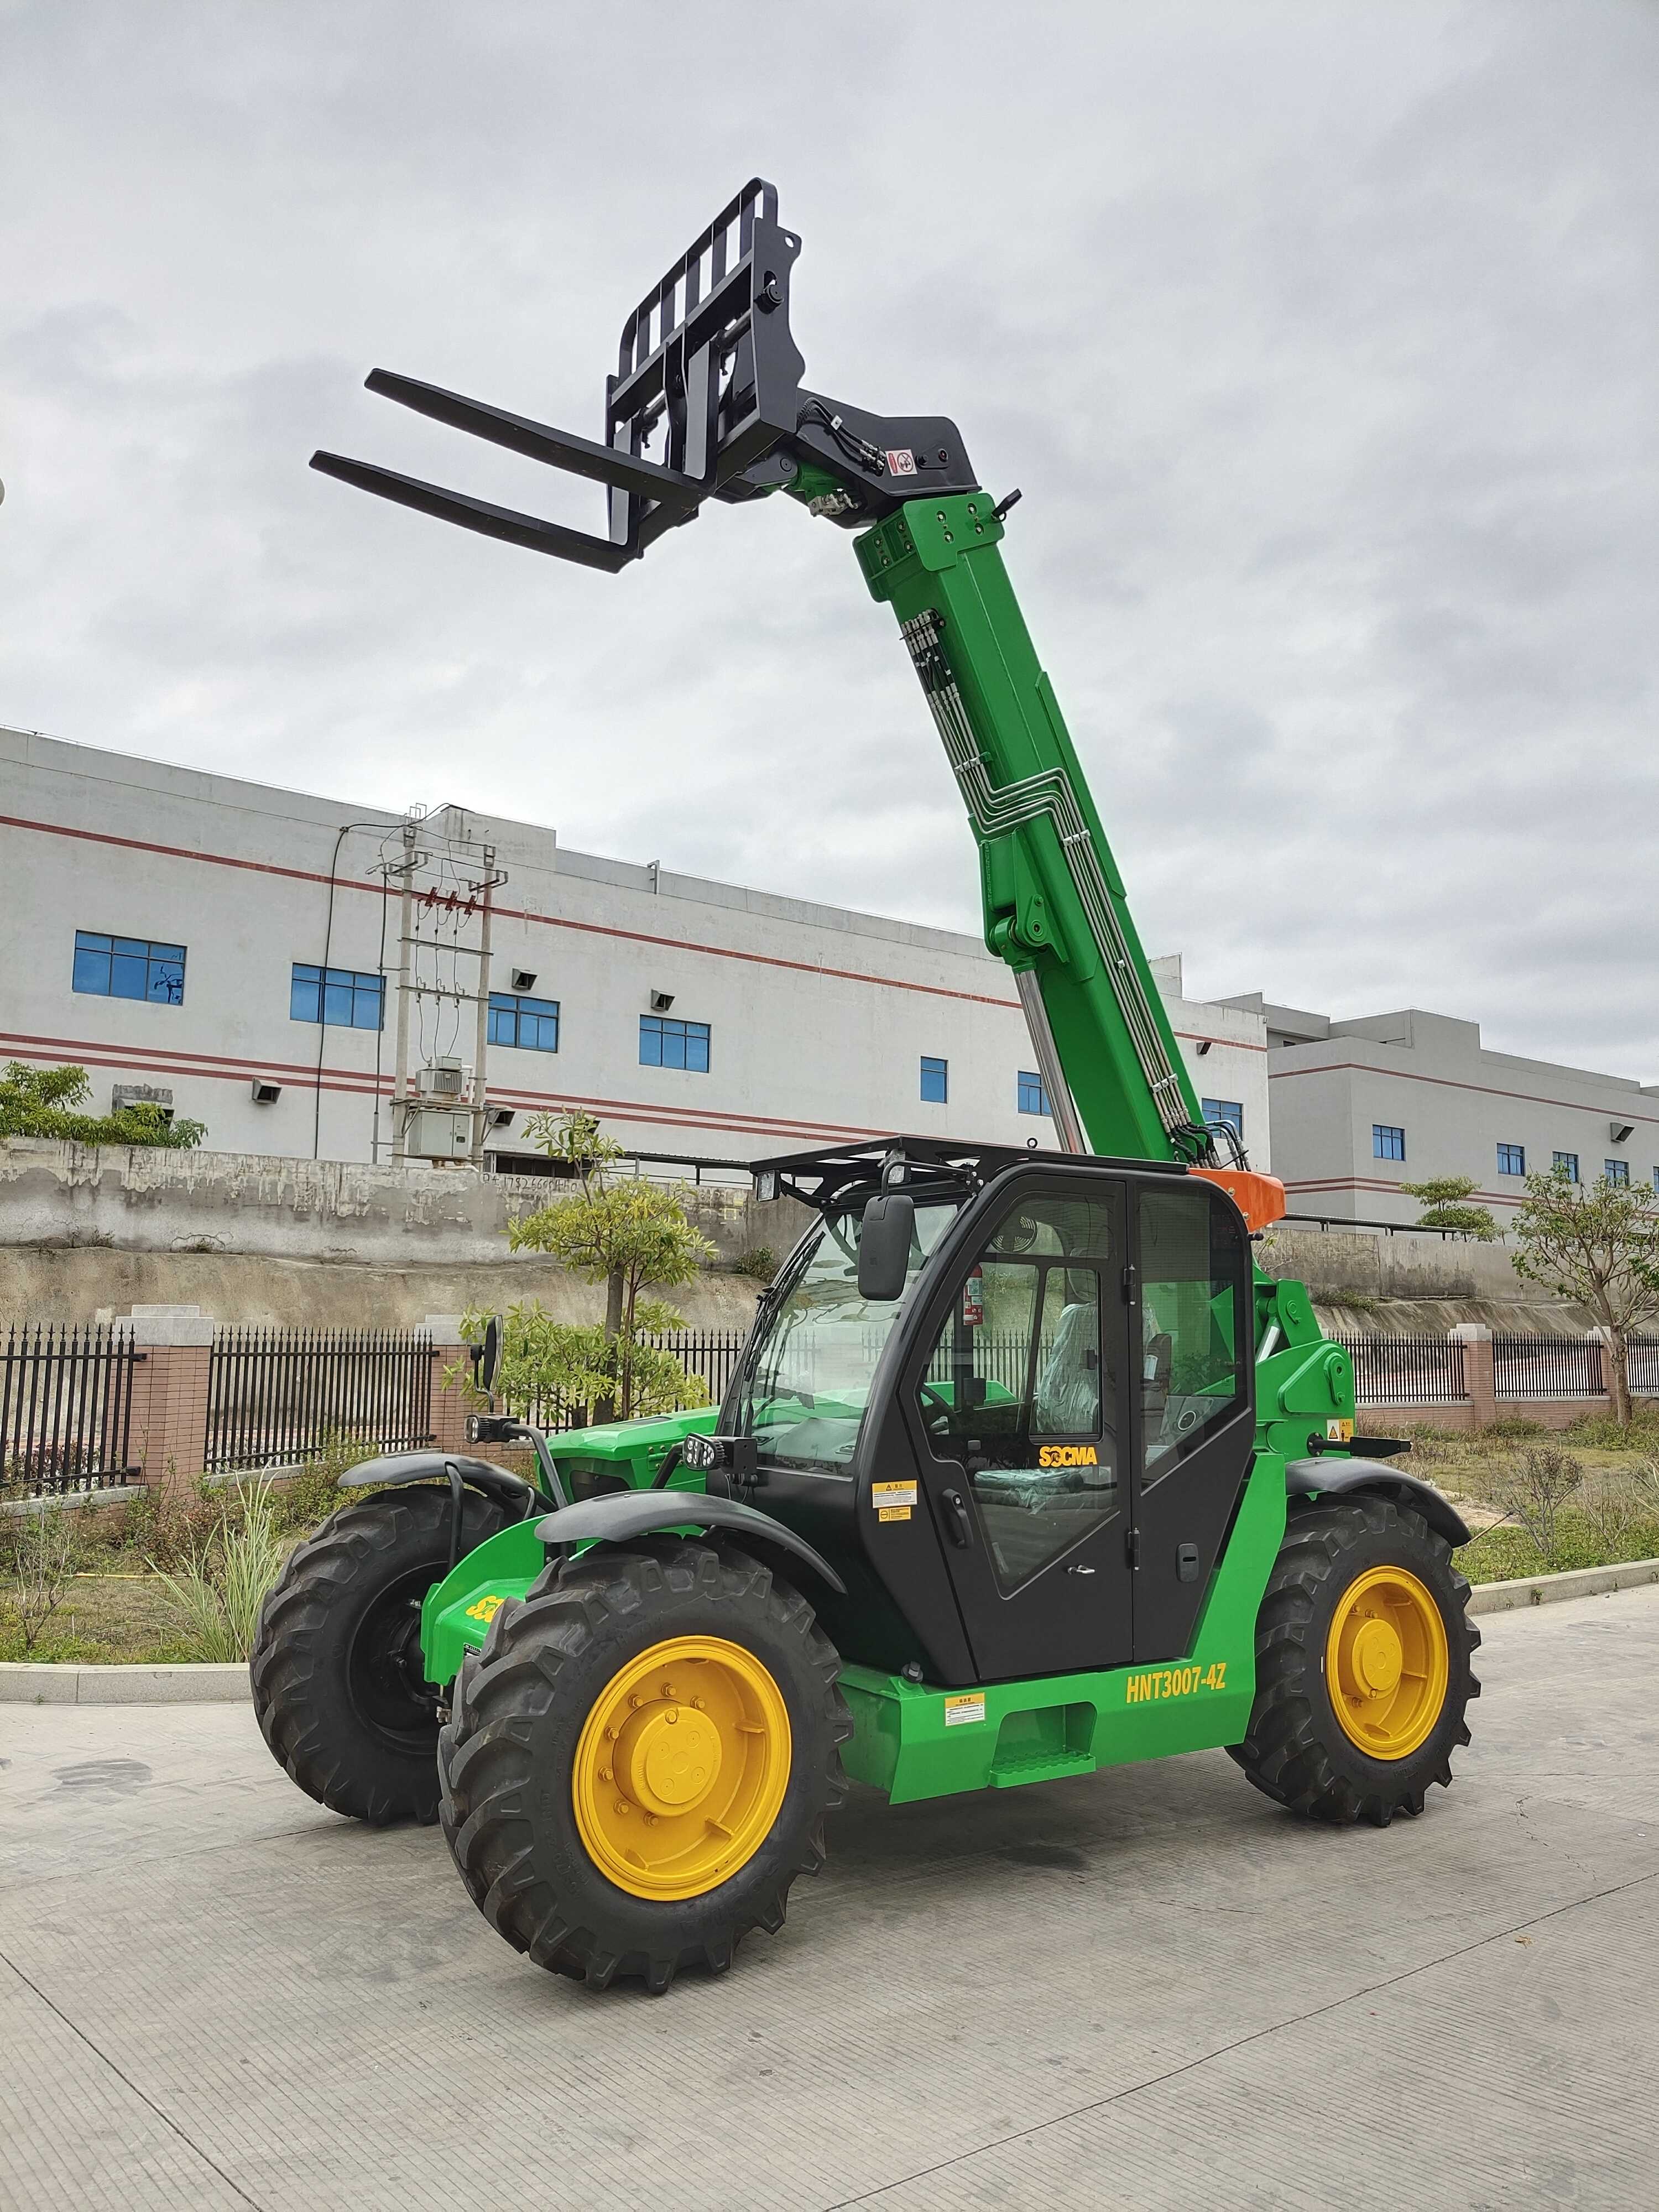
x,y
1388,1663
682,1768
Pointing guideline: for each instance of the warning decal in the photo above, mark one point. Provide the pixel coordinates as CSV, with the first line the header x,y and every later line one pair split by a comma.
x,y
893,1501
902,463
958,1712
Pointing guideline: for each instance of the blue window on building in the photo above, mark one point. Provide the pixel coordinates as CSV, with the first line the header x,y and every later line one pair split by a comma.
x,y
129,968
1565,1164
339,997
1223,1109
1387,1143
1511,1159
532,1024
935,1081
665,1043
1616,1170
1031,1096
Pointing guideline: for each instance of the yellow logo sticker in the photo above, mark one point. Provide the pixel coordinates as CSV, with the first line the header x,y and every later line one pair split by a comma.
x,y
1068,1455
486,1608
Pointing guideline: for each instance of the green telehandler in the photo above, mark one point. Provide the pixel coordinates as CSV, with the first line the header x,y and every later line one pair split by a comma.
x,y
1026,1468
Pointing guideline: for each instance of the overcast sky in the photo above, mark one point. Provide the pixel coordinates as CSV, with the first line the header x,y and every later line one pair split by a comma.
x,y
1320,339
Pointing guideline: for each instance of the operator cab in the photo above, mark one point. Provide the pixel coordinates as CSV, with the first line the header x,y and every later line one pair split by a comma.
x,y
1028,1460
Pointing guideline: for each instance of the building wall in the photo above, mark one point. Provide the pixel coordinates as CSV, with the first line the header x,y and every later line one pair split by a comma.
x,y
820,1017
1430,1075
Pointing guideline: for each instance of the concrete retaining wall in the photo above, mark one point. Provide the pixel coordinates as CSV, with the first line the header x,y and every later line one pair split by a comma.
x,y
255,1239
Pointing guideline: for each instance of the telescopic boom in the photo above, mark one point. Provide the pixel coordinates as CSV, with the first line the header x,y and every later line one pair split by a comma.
x,y
708,373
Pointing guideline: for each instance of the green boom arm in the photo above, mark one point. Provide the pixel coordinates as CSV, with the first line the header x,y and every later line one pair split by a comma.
x,y
708,373
1054,904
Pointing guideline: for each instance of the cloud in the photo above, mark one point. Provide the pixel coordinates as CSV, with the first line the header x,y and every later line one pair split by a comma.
x,y
1319,339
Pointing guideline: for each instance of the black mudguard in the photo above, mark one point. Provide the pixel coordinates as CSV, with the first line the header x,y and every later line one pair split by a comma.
x,y
1334,1477
500,1483
622,1514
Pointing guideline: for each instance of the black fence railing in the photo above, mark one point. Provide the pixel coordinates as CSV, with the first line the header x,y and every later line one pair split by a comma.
x,y
283,1394
1405,1371
65,1410
1547,1366
1641,1366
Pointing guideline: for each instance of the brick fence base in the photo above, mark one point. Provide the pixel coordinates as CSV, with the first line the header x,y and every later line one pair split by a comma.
x,y
1548,1412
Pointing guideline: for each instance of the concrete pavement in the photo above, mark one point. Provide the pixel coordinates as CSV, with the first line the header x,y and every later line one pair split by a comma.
x,y
1147,1988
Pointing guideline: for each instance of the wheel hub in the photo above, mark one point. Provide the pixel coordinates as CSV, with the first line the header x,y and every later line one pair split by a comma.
x,y
1387,1662
1377,1656
682,1768
673,1760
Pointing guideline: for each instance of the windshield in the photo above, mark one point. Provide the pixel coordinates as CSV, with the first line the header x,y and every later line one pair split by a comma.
x,y
804,1380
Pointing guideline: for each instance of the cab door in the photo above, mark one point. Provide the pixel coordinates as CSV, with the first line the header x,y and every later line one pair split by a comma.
x,y
1193,1328
1018,1395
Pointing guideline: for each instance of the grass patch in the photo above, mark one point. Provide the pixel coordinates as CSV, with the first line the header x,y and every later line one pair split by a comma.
x,y
1506,1554
1602,1433
105,1619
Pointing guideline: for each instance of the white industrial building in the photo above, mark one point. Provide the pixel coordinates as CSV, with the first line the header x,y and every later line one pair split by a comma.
x,y
1359,1108
178,934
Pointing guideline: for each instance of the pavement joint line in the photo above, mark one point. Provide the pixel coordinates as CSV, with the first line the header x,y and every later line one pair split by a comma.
x,y
1238,2043
149,2102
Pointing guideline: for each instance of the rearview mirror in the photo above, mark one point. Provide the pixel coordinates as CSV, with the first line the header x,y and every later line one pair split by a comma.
x,y
885,1241
489,1353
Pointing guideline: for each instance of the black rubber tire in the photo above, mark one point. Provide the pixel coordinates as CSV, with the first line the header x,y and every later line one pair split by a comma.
x,y
506,1757
336,1688
1297,1750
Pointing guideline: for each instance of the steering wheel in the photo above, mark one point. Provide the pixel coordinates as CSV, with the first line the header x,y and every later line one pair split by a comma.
x,y
947,1411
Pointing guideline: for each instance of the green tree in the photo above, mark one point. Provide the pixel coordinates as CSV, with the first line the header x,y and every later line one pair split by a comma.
x,y
630,1236
46,1102
1443,1206
1597,1243
546,1362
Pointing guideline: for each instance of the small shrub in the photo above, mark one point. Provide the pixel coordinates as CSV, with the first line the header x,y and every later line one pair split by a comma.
x,y
39,1553
169,1525
221,1587
1512,1427
1610,1512
760,1265
1643,1476
1603,1433
1532,1489
308,1498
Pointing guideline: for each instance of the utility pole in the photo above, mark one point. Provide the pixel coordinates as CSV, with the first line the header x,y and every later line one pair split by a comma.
x,y
481,1051
405,928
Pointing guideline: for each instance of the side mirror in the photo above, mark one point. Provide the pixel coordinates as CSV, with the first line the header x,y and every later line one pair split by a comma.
x,y
885,1241
489,1353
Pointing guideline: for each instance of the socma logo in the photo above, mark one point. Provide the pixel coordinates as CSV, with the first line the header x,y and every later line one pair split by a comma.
x,y
1068,1455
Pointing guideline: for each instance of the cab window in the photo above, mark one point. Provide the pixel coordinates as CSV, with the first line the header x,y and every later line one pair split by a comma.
x,y
1020,1389
1192,1286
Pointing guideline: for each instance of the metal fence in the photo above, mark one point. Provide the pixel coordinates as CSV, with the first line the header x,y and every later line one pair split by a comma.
x,y
1405,1371
284,1393
1547,1366
66,1409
